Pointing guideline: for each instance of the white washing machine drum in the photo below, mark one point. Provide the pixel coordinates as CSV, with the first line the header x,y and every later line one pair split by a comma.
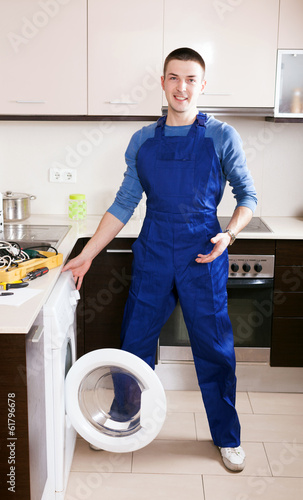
x,y
114,400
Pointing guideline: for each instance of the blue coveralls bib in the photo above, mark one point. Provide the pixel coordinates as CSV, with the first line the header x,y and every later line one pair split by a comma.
x,y
181,177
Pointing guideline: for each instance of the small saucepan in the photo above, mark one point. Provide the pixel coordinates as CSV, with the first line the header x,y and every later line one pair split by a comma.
x,y
16,206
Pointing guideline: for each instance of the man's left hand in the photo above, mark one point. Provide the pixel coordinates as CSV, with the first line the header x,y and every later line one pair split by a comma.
x,y
221,242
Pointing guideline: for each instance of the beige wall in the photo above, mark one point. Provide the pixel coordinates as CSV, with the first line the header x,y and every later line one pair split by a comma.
x,y
96,150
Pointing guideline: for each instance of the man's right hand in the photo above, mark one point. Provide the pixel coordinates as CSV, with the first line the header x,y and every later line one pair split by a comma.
x,y
108,228
79,267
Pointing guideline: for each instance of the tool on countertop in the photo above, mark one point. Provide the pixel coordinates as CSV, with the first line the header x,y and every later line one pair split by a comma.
x,y
25,281
15,284
4,294
15,273
36,274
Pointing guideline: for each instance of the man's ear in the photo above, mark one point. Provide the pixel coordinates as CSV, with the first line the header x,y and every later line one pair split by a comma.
x,y
203,86
162,82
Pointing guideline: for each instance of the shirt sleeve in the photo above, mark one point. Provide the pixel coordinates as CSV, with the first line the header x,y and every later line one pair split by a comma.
x,y
130,191
235,169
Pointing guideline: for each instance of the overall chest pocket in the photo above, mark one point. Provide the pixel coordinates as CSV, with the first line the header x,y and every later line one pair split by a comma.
x,y
175,178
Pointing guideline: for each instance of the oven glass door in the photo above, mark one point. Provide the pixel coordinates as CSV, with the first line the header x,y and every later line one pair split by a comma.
x,y
250,311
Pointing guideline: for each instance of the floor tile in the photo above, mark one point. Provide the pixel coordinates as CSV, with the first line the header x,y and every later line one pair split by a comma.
x,y
94,486
276,403
187,401
238,487
86,459
242,403
178,426
191,401
285,459
202,427
271,428
260,428
192,457
182,462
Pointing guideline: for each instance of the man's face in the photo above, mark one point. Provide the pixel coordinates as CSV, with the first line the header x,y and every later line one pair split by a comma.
x,y
182,84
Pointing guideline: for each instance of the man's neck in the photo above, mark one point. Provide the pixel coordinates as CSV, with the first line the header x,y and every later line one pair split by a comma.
x,y
180,119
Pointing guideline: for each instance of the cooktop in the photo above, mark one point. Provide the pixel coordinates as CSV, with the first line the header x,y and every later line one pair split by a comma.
x,y
35,235
256,225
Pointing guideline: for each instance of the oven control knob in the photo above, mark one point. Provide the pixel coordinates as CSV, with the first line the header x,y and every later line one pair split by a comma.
x,y
258,268
246,267
235,268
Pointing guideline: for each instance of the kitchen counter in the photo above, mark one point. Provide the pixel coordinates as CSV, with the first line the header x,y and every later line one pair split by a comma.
x,y
20,319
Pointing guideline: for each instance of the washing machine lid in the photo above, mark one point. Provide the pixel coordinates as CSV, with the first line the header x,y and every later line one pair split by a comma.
x,y
114,400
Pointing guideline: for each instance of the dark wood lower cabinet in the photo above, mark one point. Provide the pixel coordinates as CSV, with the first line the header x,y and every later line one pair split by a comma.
x,y
23,460
287,342
287,331
103,296
14,462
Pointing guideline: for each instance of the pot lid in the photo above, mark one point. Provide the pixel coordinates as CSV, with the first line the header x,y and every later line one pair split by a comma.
x,y
9,195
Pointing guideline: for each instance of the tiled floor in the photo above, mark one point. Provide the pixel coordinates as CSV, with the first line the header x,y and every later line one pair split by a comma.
x,y
182,463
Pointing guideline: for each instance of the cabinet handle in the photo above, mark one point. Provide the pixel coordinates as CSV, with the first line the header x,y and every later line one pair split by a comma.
x,y
215,93
116,101
22,101
109,250
39,329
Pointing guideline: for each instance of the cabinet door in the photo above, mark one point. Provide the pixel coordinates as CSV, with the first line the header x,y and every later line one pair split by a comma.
x,y
43,57
290,24
14,420
287,331
105,290
124,57
35,377
287,342
238,43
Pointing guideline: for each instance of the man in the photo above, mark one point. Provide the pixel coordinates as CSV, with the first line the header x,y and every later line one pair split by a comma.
x,y
182,163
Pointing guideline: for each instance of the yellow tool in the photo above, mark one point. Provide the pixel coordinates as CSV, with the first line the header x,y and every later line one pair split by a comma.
x,y
51,260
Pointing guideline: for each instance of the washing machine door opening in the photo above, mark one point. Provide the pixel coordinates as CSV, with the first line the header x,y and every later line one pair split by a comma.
x,y
68,358
110,398
114,400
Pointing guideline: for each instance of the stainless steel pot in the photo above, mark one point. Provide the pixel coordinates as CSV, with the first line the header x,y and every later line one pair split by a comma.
x,y
16,206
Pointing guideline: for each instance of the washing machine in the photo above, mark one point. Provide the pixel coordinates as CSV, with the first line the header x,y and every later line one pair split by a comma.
x,y
60,335
112,398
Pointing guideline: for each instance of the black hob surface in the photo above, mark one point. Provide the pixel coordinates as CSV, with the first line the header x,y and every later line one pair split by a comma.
x,y
256,225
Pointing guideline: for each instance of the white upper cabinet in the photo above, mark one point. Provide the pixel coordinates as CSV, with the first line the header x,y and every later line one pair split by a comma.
x,y
43,57
291,24
237,39
124,57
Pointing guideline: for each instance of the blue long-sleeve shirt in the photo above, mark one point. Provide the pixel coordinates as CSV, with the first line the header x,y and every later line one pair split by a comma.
x,y
228,146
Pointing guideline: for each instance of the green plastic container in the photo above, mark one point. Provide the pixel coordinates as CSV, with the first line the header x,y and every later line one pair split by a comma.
x,y
77,206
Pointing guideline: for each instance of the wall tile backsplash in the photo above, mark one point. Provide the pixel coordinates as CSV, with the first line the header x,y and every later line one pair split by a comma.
x,y
96,149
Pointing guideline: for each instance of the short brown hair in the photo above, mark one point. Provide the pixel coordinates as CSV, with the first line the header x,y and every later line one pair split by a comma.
x,y
184,54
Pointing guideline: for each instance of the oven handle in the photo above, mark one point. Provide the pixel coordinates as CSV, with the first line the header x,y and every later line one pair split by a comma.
x,y
250,283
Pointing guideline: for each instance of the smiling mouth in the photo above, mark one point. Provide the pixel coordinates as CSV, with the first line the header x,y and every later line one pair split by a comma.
x,y
180,98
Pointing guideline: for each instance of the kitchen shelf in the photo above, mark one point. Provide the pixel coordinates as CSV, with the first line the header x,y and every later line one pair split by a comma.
x,y
276,119
77,118
239,112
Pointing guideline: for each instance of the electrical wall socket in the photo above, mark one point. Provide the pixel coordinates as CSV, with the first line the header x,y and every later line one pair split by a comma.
x,y
68,175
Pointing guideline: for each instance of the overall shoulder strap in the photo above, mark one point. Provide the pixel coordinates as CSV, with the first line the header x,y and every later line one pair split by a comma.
x,y
201,119
160,127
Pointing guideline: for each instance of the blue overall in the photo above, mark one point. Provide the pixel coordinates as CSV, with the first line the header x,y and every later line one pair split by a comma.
x,y
181,177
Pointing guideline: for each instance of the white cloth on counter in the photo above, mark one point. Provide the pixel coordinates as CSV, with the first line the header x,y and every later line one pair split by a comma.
x,y
20,295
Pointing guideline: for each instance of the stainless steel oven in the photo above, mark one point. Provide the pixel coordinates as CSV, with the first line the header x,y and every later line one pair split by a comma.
x,y
250,299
